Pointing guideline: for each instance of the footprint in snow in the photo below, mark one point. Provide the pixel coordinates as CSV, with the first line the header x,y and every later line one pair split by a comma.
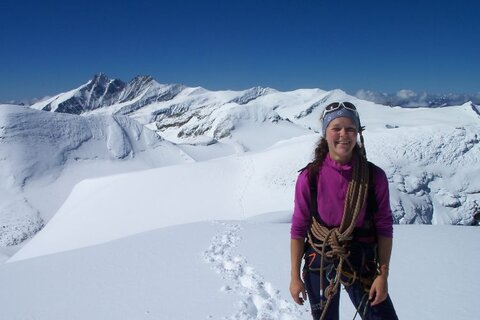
x,y
260,300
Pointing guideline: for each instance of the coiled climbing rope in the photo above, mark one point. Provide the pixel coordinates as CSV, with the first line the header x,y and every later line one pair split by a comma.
x,y
333,243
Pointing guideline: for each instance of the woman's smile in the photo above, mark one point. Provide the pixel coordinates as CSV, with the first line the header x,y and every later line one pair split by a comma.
x,y
341,135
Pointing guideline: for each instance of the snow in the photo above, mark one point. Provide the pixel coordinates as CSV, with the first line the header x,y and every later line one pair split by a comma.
x,y
134,224
234,187
230,270
54,101
429,187
43,155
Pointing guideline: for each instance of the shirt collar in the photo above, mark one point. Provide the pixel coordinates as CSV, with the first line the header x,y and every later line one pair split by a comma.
x,y
339,166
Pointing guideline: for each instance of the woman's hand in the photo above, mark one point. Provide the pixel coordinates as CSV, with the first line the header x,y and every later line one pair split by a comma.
x,y
297,290
379,289
297,287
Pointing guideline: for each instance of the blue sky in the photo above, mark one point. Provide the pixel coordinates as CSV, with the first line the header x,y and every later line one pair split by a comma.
x,y
47,47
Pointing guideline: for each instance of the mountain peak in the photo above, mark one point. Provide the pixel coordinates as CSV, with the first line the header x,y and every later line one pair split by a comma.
x,y
100,78
143,78
141,82
252,94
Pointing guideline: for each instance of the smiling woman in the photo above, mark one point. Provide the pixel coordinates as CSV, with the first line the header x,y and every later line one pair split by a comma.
x,y
341,139
341,124
342,224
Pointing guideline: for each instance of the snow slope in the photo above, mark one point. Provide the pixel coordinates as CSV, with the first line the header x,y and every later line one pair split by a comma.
x,y
426,179
234,187
43,155
429,155
229,270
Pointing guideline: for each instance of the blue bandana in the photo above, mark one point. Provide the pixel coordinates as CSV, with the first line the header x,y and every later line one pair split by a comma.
x,y
342,112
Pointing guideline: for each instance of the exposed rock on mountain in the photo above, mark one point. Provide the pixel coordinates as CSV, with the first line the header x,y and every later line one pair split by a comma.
x,y
98,92
252,94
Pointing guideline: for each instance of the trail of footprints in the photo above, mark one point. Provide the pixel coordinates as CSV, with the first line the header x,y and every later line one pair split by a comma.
x,y
259,300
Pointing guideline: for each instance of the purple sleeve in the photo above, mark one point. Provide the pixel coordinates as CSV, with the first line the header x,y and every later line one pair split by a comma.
x,y
301,211
383,218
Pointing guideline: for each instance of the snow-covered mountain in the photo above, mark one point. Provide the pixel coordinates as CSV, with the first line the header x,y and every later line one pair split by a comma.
x,y
430,155
43,155
98,92
102,92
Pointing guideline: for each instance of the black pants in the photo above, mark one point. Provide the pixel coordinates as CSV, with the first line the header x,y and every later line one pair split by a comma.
x,y
362,259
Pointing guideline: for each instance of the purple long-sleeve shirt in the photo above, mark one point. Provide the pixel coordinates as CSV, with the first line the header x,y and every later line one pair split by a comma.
x,y
332,189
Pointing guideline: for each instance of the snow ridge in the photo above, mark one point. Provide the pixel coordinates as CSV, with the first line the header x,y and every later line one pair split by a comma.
x,y
260,300
19,221
252,94
38,148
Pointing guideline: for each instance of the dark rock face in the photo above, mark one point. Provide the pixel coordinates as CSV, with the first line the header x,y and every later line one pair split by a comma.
x,y
251,94
98,92
102,91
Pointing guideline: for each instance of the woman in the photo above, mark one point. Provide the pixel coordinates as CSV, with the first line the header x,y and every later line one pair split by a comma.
x,y
342,224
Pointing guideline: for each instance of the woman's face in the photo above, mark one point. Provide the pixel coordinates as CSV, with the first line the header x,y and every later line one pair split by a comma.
x,y
341,135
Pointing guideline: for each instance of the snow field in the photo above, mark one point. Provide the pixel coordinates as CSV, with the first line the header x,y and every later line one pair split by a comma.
x,y
230,270
150,276
259,299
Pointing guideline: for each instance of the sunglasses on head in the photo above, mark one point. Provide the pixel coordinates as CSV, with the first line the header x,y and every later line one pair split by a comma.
x,y
338,105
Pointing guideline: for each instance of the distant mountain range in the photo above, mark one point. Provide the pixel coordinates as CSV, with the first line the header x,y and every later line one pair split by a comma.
x,y
179,112
411,99
103,91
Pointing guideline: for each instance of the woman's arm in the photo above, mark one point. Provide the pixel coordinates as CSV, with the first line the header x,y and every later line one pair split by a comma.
x,y
297,287
301,210
379,289
383,217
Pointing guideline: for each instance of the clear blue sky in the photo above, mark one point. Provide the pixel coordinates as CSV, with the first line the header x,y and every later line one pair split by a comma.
x,y
47,47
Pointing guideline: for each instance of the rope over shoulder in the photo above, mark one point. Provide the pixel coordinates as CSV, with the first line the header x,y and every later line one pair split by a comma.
x,y
334,243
